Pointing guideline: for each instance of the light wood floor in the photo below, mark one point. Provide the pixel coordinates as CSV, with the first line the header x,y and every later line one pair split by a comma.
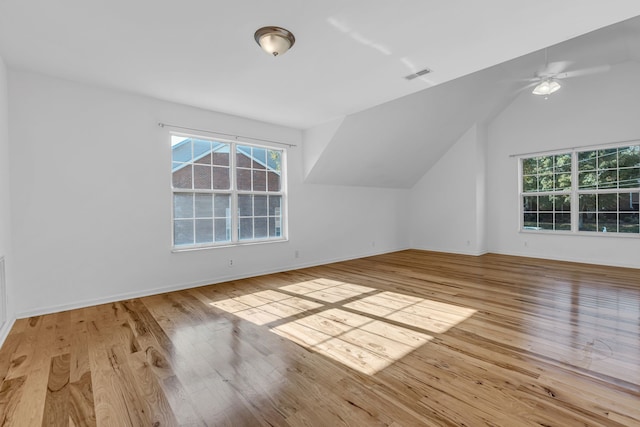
x,y
404,339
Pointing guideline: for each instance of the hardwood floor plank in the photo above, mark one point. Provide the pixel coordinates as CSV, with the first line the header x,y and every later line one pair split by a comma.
x,y
56,404
402,339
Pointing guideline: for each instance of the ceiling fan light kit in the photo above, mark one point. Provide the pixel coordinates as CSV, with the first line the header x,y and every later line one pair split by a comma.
x,y
546,87
274,40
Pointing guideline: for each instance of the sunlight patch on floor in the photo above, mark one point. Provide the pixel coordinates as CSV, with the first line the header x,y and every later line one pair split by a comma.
x,y
361,327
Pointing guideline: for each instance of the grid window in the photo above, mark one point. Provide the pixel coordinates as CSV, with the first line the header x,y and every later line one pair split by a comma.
x,y
546,192
604,185
225,193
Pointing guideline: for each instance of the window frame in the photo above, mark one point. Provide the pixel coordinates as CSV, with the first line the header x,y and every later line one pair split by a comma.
x,y
575,192
233,192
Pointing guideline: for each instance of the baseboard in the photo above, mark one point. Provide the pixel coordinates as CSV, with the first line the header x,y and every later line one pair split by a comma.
x,y
181,286
6,328
566,259
451,251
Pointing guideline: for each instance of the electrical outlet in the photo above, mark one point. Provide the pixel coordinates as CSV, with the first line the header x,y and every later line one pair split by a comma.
x,y
230,263
296,254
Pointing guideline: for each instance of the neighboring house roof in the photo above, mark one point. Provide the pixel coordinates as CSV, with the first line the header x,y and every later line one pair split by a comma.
x,y
182,155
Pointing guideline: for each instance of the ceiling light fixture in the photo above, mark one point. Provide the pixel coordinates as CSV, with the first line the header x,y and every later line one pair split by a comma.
x,y
274,40
546,87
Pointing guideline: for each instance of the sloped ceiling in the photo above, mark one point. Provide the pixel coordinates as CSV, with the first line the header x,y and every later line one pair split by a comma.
x,y
394,144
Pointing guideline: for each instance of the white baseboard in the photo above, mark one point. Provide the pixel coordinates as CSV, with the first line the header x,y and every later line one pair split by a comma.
x,y
6,328
180,286
451,251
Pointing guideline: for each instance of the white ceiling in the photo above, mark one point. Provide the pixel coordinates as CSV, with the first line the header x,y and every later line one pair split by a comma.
x,y
349,55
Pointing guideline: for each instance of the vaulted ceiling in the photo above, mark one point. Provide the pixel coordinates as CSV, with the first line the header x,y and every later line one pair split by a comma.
x,y
348,63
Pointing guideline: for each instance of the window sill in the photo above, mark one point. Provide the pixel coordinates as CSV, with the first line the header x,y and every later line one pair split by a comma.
x,y
583,233
226,245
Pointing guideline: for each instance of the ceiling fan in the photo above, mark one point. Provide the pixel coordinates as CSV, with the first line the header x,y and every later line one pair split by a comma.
x,y
547,80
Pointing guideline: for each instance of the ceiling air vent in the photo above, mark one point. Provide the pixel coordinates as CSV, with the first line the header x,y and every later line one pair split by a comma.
x,y
417,74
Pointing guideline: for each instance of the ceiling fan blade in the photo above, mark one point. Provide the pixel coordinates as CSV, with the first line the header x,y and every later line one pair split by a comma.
x,y
554,68
522,88
584,72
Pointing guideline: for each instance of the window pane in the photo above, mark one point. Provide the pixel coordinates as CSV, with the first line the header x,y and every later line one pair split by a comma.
x,y
246,228
529,183
204,206
260,205
260,158
243,179
530,220
243,156
629,223
202,177
530,203
245,205
181,152
204,159
587,160
563,203
274,159
588,202
563,221
529,166
222,204
201,148
608,178
275,203
587,180
222,230
183,205
563,181
608,222
588,221
260,228
221,159
608,202
221,179
259,180
545,182
545,221
273,181
608,159
183,232
629,156
545,165
183,177
563,163
625,202
274,227
629,178
204,231
545,203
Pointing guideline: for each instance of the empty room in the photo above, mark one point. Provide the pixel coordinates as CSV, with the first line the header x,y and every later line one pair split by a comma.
x,y
336,213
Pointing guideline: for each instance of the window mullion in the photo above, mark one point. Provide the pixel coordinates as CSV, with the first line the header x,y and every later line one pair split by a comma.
x,y
235,214
575,197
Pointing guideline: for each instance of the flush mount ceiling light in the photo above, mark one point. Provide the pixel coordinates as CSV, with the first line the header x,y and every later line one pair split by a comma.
x,y
546,87
274,40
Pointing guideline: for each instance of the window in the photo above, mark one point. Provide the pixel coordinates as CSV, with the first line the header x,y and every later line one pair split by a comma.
x,y
546,183
225,192
593,190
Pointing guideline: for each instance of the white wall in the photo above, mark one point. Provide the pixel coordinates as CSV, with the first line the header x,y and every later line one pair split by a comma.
x,y
90,177
5,209
447,205
588,110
